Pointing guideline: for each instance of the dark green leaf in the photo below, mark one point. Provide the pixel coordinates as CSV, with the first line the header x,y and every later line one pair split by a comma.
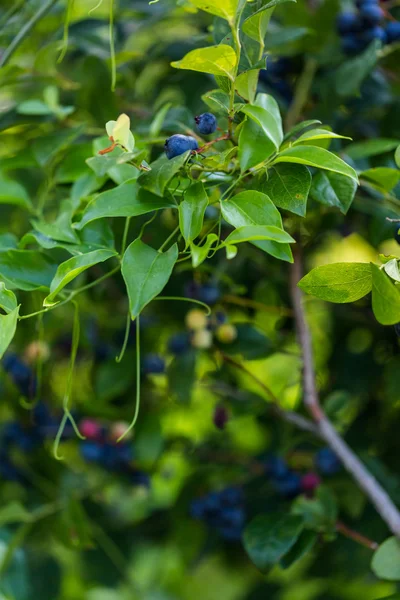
x,y
333,189
370,148
269,537
316,157
12,192
162,171
26,269
254,145
191,212
304,544
146,273
338,282
288,187
319,513
351,73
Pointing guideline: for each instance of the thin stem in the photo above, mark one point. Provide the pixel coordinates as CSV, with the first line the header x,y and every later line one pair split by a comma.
x,y
137,405
169,238
221,138
126,337
125,235
302,92
288,416
112,47
66,30
356,537
25,30
180,299
372,488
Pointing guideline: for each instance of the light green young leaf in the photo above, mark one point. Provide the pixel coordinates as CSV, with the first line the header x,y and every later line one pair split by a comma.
x,y
71,268
267,121
200,253
382,177
386,560
8,326
246,84
191,212
8,301
256,25
146,272
269,537
318,134
120,132
14,512
371,147
288,187
338,282
385,298
217,100
255,208
125,200
299,127
250,233
162,171
216,60
270,104
226,9
333,189
316,157
391,267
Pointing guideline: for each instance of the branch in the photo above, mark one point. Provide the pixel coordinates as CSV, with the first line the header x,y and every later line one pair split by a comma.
x,y
356,537
290,417
372,488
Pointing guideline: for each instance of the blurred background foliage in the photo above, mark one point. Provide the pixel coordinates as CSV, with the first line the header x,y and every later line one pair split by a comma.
x,y
80,530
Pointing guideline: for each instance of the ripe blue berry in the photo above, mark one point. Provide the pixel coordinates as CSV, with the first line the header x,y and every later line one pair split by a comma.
x,y
347,22
276,467
208,293
91,451
397,233
327,461
21,374
178,343
374,33
393,31
371,13
288,486
206,123
179,144
352,44
153,363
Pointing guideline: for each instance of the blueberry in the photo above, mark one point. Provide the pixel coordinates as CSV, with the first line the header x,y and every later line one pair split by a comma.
x,y
352,44
153,363
327,462
393,31
288,486
231,496
371,13
208,293
397,233
8,471
374,33
21,374
197,508
397,329
347,22
92,451
233,516
179,144
178,343
140,478
220,417
276,467
206,123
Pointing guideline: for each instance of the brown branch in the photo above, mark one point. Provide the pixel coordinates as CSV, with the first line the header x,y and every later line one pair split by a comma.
x,y
356,537
372,488
290,417
206,146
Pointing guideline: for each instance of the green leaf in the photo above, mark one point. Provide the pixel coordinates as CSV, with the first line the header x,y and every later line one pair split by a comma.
x,y
217,100
250,343
299,127
386,560
249,233
255,208
26,269
162,171
283,36
269,103
226,9
319,513
146,273
385,298
370,148
391,267
254,145
71,268
8,301
351,73
316,157
12,192
267,121
318,134
288,187
125,200
269,537
200,253
216,60
338,282
256,25
14,512
191,212
382,177
333,189
246,84
8,326
302,546
397,156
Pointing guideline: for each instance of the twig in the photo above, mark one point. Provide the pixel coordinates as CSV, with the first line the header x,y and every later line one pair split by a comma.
x,y
356,537
221,138
290,417
372,488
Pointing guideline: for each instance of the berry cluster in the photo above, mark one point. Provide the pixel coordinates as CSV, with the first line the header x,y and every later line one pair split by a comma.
x,y
101,447
359,28
223,511
179,144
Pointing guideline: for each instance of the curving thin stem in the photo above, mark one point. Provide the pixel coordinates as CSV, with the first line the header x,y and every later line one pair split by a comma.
x,y
126,337
180,299
137,404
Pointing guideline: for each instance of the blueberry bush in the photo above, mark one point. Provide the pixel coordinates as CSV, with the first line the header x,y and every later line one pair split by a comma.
x,y
199,300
